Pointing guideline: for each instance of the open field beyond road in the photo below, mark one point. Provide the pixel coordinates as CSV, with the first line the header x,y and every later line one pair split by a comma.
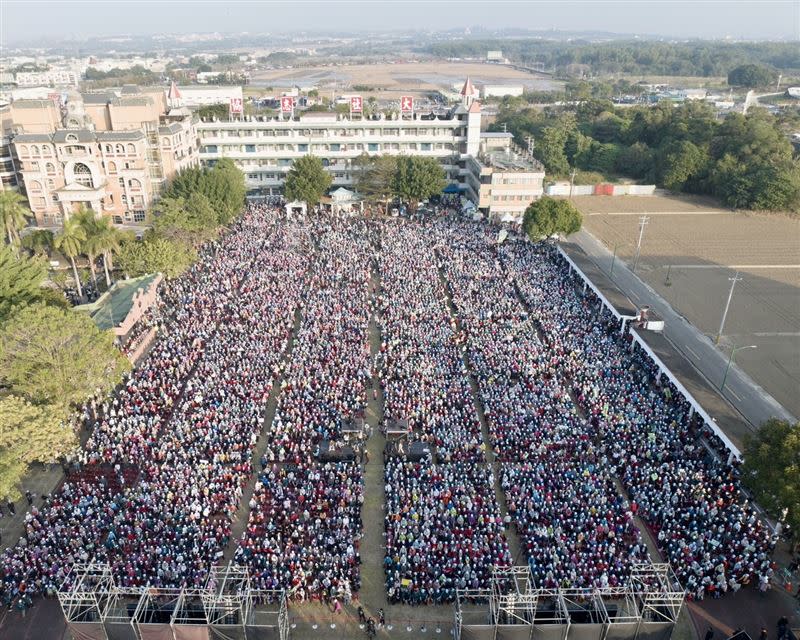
x,y
391,78
689,251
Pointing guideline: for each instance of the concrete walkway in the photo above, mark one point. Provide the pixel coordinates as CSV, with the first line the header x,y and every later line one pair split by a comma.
x,y
753,402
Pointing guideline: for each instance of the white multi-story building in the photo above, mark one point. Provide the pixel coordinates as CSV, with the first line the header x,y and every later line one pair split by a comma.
x,y
49,78
202,95
501,181
265,148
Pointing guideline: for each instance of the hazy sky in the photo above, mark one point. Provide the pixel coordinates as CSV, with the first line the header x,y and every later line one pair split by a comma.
x,y
26,19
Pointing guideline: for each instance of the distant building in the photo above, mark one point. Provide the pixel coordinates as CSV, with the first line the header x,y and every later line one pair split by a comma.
x,y
203,95
494,56
49,78
501,90
107,152
501,182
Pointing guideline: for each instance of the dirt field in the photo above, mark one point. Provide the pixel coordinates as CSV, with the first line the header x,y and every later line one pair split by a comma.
x,y
389,79
690,249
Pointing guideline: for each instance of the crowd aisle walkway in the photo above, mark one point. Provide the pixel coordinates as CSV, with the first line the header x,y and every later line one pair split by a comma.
x,y
512,536
373,590
242,515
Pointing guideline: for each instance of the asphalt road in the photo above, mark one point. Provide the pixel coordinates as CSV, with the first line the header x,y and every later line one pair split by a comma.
x,y
753,402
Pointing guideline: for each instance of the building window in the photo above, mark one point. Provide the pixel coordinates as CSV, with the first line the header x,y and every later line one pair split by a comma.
x,y
120,149
335,147
112,167
250,148
134,184
302,148
372,146
51,184
50,168
131,150
210,148
109,149
139,215
82,175
117,219
71,137
425,146
124,199
36,185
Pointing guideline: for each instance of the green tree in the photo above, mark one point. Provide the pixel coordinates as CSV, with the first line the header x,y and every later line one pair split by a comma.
x,y
191,220
549,148
547,216
751,75
39,241
104,240
218,111
771,469
373,175
29,433
156,255
680,162
307,180
13,213
58,356
417,178
635,161
70,242
21,280
87,220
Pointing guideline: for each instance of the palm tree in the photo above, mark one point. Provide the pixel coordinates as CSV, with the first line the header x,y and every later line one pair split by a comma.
x,y
39,241
86,219
104,240
13,213
70,241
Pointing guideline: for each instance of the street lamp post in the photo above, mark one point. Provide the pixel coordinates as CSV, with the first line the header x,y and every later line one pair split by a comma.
x,y
730,362
643,220
733,280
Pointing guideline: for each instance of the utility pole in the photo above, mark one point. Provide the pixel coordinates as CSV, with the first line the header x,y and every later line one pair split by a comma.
x,y
571,183
778,86
643,221
733,280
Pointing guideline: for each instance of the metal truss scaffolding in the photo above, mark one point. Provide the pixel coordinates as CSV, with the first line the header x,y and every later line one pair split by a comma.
x,y
513,608
227,608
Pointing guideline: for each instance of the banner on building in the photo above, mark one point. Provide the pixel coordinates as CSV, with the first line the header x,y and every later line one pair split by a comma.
x,y
356,104
407,104
287,104
236,106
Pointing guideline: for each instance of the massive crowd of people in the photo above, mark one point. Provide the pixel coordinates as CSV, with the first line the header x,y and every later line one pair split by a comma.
x,y
588,412
587,435
184,421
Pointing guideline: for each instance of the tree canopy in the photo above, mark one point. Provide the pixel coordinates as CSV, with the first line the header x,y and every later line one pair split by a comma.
x,y
548,216
745,161
156,254
417,178
307,180
772,469
223,185
29,433
21,283
751,75
373,175
57,356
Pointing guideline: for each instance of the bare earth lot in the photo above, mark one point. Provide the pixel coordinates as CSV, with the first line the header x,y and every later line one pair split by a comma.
x,y
700,246
389,79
